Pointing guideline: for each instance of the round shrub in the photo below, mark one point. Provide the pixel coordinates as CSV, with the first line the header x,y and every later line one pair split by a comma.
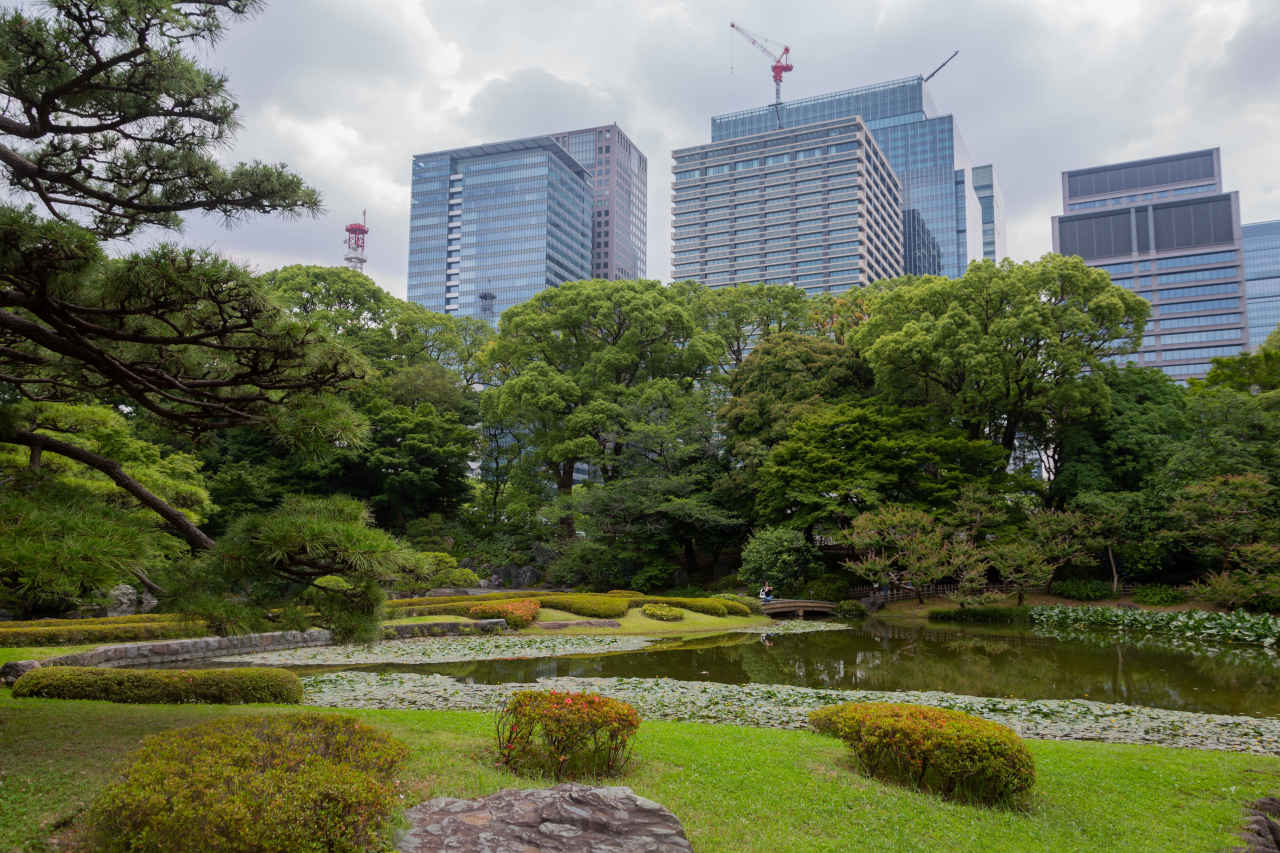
x,y
270,784
519,613
1159,595
162,686
662,612
566,735
960,756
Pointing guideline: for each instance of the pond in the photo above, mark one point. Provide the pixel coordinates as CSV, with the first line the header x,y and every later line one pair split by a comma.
x,y
1150,671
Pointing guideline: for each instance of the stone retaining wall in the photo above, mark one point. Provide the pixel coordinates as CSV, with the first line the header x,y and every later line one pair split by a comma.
x,y
173,651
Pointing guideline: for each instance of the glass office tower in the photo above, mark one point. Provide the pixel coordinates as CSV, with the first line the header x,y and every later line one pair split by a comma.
x,y
492,225
941,212
619,199
816,207
991,202
1262,279
1164,228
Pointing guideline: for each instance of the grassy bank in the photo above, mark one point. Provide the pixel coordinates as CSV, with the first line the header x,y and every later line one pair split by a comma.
x,y
10,653
735,789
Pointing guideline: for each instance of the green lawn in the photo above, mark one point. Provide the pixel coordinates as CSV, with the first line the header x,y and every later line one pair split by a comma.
x,y
735,789
8,653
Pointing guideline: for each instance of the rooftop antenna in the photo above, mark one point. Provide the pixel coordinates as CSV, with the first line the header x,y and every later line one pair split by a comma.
x,y
940,67
355,242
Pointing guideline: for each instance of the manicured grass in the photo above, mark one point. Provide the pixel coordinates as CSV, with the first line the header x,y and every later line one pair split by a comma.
x,y
637,623
735,789
410,620
8,653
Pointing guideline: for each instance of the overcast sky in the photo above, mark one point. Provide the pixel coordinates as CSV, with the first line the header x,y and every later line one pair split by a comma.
x,y
347,92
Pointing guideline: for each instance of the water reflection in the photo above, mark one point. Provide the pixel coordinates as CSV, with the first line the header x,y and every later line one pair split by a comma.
x,y
981,663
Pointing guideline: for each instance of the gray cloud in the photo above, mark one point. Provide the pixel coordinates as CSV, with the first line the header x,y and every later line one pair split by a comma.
x,y
346,93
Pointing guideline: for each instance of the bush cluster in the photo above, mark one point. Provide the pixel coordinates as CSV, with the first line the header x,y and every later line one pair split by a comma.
x,y
590,606
77,633
1159,595
1079,590
981,615
162,686
752,603
850,610
280,783
95,620
827,587
709,606
662,612
956,755
566,735
625,593
519,613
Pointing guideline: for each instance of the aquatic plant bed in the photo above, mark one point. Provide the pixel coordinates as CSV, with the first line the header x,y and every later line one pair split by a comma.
x,y
445,650
791,626
1237,627
786,707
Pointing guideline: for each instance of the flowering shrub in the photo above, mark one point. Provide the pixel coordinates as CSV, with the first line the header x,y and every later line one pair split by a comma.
x,y
170,686
519,613
566,735
957,755
276,783
662,612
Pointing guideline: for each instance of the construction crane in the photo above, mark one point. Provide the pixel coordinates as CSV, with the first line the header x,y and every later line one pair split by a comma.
x,y
942,66
781,63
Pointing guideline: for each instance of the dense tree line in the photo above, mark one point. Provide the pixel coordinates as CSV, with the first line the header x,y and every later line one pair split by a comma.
x,y
288,446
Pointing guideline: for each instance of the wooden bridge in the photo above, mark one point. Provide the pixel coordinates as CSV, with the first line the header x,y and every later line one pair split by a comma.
x,y
797,607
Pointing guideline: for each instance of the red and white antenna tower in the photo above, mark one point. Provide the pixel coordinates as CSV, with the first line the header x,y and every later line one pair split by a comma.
x,y
355,243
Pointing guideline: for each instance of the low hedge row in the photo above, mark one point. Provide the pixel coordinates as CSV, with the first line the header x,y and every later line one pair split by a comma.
x,y
279,783
162,686
957,755
982,615
709,606
566,735
75,634
590,606
752,603
519,613
662,612
95,620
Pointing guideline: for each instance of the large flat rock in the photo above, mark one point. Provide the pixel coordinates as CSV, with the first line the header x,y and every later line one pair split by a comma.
x,y
568,817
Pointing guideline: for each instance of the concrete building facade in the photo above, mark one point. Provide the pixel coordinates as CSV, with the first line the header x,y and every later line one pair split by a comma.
x,y
818,207
619,179
1164,228
492,225
942,213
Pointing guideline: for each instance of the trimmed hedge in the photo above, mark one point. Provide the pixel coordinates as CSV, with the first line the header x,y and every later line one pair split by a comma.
x,y
627,593
279,783
959,756
566,735
519,613
752,603
93,620
710,606
591,606
982,615
76,634
662,612
162,686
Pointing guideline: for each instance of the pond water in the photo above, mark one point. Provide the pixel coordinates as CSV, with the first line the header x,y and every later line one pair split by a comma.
x,y
1020,664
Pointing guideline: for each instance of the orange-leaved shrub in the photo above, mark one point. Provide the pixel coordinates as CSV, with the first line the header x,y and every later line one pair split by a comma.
x,y
956,755
278,783
566,735
519,613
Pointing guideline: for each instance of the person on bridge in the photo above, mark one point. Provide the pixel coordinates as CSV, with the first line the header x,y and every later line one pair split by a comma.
x,y
766,592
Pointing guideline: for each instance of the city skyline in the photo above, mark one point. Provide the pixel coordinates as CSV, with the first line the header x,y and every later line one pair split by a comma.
x,y
365,89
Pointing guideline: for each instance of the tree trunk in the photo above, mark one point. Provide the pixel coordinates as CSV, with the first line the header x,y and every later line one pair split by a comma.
x,y
33,461
564,487
689,565
194,536
1115,576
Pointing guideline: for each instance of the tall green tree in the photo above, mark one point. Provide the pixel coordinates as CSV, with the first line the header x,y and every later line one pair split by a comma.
x,y
1005,350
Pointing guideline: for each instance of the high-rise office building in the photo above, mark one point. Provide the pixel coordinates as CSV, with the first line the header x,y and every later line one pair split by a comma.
x,y
619,178
816,207
1262,279
991,203
492,225
1164,228
941,212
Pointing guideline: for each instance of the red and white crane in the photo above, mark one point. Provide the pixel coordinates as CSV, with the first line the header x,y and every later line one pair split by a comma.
x,y
781,60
